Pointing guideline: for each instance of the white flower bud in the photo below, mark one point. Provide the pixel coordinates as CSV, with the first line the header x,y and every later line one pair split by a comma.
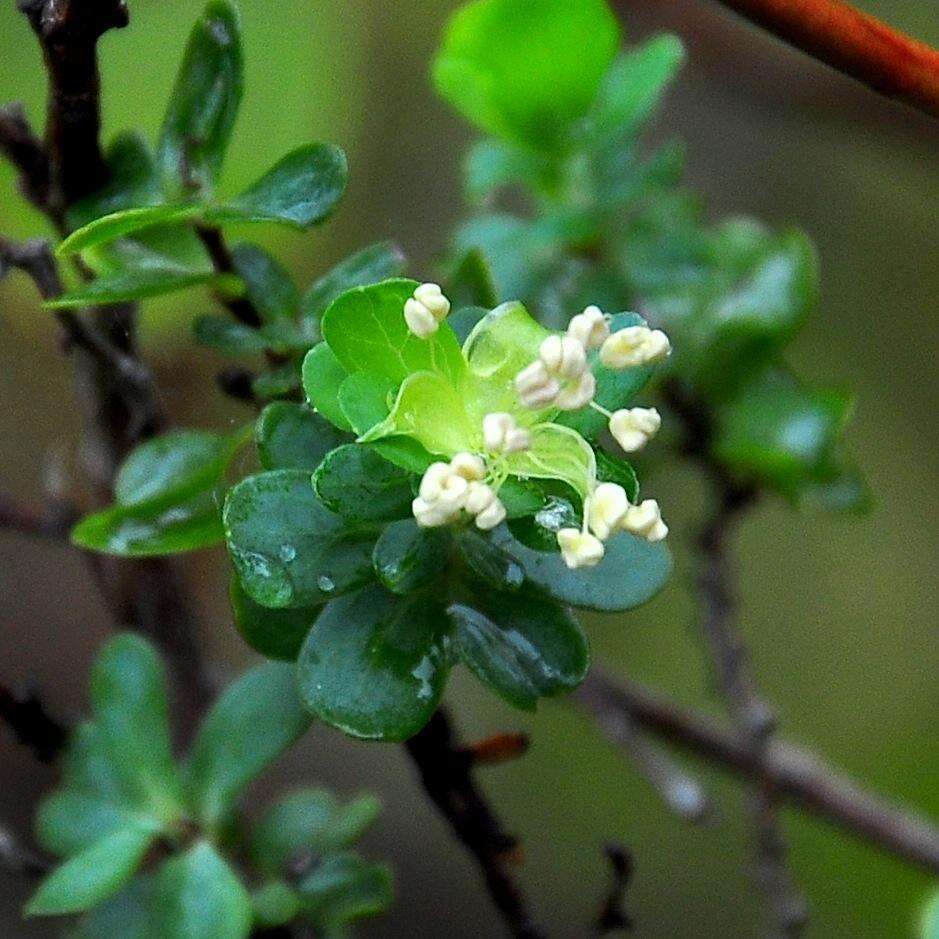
x,y
607,509
491,516
634,345
563,356
535,387
579,549
425,310
645,520
577,394
501,434
589,328
469,466
440,484
479,497
632,427
431,514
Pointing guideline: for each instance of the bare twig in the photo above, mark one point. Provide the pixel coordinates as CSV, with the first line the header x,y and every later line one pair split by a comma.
x,y
854,43
613,915
53,520
240,307
446,772
26,716
26,152
797,776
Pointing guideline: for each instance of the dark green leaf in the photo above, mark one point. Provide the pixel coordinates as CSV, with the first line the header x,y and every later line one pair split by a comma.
x,y
280,382
140,283
288,548
522,647
275,904
374,667
493,164
268,284
539,530
126,915
344,888
300,190
408,557
69,821
516,69
277,634
309,821
614,469
632,572
463,321
322,376
204,102
128,694
488,562
94,875
471,284
356,483
368,266
198,896
291,436
254,721
123,223
227,335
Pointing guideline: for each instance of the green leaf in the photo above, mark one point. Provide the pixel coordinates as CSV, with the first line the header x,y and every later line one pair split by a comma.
x,y
69,821
522,647
123,223
322,376
362,269
631,572
614,469
929,921
471,283
356,483
494,164
557,453
280,382
269,286
127,914
366,330
408,557
87,765
513,70
254,721
140,283
204,103
289,550
276,634
488,562
94,875
198,896
539,529
374,667
128,694
344,888
291,436
844,490
309,821
300,190
275,904
227,336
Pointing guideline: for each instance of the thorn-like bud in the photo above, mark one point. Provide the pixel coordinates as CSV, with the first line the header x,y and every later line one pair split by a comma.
x,y
635,345
577,394
633,427
501,434
645,520
535,386
607,509
590,328
579,548
425,310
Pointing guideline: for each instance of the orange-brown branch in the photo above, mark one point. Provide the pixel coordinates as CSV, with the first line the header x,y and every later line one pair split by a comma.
x,y
854,43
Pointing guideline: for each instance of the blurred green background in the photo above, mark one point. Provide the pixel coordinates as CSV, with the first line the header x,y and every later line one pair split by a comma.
x,y
842,615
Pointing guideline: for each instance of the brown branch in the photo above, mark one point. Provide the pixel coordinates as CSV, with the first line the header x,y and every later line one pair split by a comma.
x,y
27,153
26,716
854,43
446,772
613,916
240,307
797,776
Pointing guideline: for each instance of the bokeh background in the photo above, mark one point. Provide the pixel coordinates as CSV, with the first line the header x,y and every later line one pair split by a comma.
x,y
842,615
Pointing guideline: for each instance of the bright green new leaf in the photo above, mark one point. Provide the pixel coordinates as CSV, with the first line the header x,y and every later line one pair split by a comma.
x,y
557,453
522,647
366,267
322,376
198,896
276,634
929,921
254,721
356,483
128,694
408,557
373,667
301,190
291,436
94,875
204,103
123,223
366,330
529,70
289,550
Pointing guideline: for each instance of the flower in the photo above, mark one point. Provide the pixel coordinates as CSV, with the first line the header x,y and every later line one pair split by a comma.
x,y
425,310
634,345
633,427
559,376
579,548
469,466
450,488
535,386
575,396
501,434
589,328
607,509
645,520
485,505
563,356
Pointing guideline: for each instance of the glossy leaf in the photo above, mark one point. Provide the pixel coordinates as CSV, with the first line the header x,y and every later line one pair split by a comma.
x,y
289,550
254,721
513,69
614,469
198,896
356,483
322,376
471,284
408,557
276,634
95,874
301,190
268,284
366,330
373,666
369,266
123,223
291,436
522,647
557,453
204,102
488,562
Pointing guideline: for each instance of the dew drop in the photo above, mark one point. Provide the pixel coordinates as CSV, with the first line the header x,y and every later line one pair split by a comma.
x,y
287,553
326,584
